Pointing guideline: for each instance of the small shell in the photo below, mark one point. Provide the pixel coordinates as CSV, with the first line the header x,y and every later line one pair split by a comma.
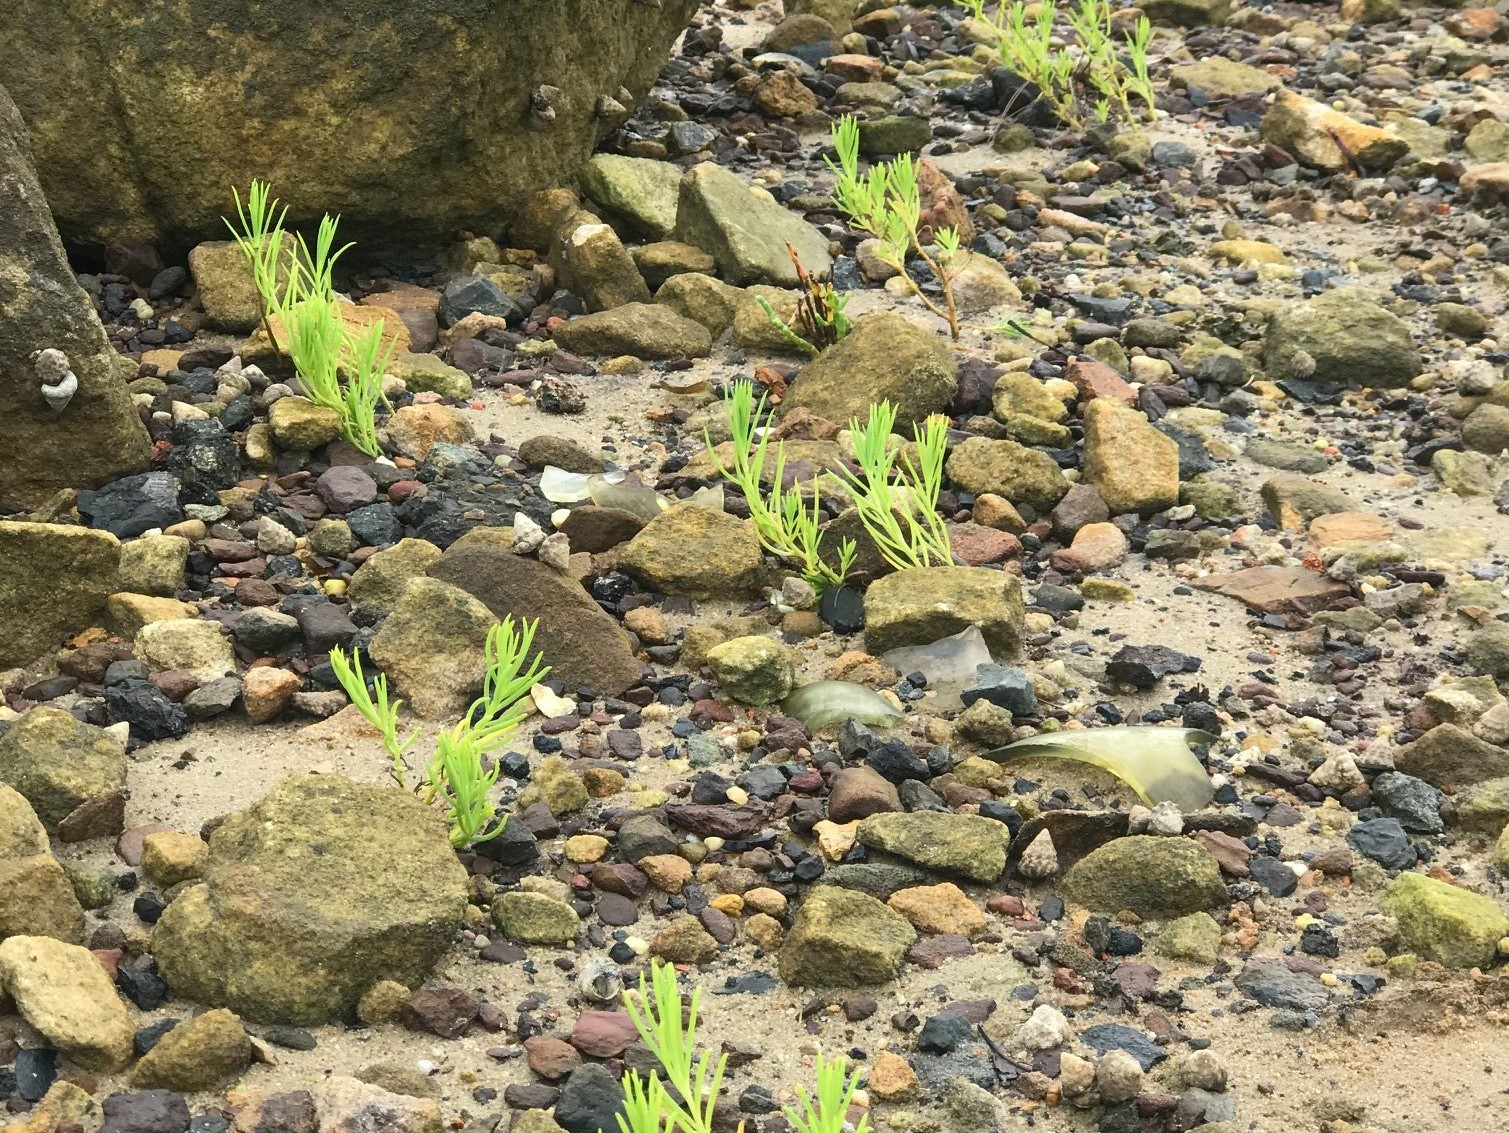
x,y
601,981
1040,859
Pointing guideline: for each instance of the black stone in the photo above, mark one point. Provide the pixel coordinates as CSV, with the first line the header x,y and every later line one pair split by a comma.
x,y
842,610
36,1070
475,293
944,1033
146,989
1383,840
149,1036
591,1100
151,714
1274,876
134,504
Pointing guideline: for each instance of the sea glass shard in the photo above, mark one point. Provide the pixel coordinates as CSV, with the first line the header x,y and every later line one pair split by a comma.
x,y
949,662
562,487
832,702
636,499
1158,763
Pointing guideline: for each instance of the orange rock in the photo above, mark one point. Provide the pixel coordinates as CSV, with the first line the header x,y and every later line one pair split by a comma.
x,y
1096,380
1315,134
1349,527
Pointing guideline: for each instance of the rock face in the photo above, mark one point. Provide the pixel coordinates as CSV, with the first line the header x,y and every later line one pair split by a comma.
x,y
39,605
416,118
59,763
842,938
1340,337
64,992
311,896
918,607
98,435
583,646
884,358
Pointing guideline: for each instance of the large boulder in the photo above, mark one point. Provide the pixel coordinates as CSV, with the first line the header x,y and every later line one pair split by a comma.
x,y
745,232
41,605
583,646
1339,338
59,763
885,357
36,897
923,605
98,435
421,119
696,551
432,647
309,898
64,992
842,938
1156,878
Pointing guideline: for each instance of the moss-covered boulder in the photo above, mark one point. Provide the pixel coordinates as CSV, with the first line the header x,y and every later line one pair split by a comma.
x,y
922,605
433,647
1156,878
753,670
64,992
645,330
843,938
309,897
198,1054
1007,469
583,646
965,845
1441,922
98,436
58,763
885,357
534,918
636,191
1133,466
1340,337
745,231
695,551
380,581
41,605
417,118
36,897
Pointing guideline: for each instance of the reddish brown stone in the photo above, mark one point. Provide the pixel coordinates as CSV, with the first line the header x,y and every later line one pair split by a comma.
x,y
129,844
603,1034
103,816
1230,853
1096,379
1276,589
551,1058
982,546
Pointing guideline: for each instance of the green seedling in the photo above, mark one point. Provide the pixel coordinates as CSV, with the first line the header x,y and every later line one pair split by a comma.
x,y
886,202
901,517
787,525
374,706
835,1094
657,1016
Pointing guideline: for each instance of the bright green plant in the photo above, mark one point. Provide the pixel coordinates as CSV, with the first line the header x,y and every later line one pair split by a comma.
x,y
886,202
787,525
339,368
1089,71
820,317
455,775
901,517
696,1080
835,1094
374,705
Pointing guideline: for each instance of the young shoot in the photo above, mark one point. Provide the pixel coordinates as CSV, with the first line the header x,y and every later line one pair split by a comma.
x,y
456,778
656,1015
374,706
835,1094
902,518
886,202
786,525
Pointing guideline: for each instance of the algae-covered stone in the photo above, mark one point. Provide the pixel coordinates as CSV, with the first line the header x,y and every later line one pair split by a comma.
x,y
154,564
1007,469
58,763
36,896
402,119
425,373
169,858
963,844
1340,337
591,261
707,301
922,605
40,605
63,991
299,425
1448,757
198,1054
695,551
746,233
1133,466
1196,937
583,645
416,429
534,918
1445,923
637,190
98,436
1484,807
1016,392
1295,500
1156,878
1327,139
1225,78
309,897
193,645
380,581
557,786
885,357
843,938
753,670
645,330
684,941
433,647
